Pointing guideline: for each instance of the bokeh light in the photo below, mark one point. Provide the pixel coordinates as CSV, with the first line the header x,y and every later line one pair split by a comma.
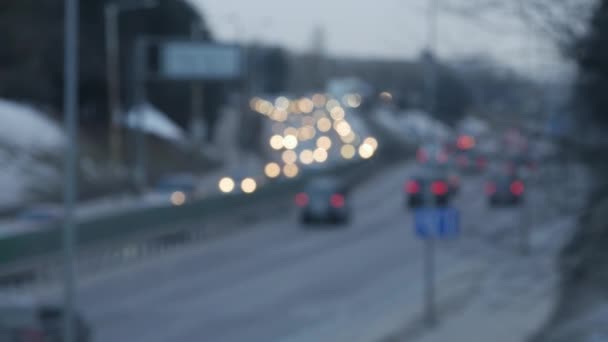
x,y
319,100
350,138
320,155
289,157
272,170
366,151
306,157
348,151
226,185
290,142
331,104
386,96
324,143
290,170
253,103
279,115
248,185
352,100
282,103
306,133
337,113
178,198
276,142
371,141
343,128
324,125
305,105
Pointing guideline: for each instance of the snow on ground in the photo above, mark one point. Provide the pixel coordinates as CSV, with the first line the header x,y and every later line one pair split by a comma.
x,y
155,122
24,127
24,131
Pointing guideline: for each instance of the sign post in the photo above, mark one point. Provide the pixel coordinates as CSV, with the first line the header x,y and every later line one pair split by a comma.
x,y
179,59
431,224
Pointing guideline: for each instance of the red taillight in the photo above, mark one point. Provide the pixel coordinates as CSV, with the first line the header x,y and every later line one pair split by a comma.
x,y
301,199
490,188
481,163
421,156
337,201
439,188
517,188
412,187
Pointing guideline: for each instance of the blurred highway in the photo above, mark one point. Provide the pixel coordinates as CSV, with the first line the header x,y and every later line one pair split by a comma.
x,y
275,281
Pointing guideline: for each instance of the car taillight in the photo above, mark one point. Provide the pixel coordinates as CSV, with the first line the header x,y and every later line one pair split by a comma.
x,y
481,163
421,156
301,199
412,187
517,188
490,188
439,188
337,201
32,335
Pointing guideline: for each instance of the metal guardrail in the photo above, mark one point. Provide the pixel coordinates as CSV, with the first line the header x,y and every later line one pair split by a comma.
x,y
23,258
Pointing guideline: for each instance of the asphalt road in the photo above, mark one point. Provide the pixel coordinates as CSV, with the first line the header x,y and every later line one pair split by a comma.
x,y
279,282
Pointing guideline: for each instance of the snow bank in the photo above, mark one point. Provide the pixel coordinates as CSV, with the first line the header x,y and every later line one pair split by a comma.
x,y
24,127
157,123
24,132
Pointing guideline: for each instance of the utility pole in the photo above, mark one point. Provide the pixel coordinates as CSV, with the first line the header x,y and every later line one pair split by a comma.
x,y
197,98
141,76
113,80
70,104
431,86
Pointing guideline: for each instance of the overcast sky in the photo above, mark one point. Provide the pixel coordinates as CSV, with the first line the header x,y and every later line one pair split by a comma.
x,y
378,28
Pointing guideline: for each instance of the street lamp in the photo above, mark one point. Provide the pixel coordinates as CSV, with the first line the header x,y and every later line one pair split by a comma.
x,y
112,11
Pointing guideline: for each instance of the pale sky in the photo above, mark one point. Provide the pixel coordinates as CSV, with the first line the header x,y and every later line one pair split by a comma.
x,y
379,28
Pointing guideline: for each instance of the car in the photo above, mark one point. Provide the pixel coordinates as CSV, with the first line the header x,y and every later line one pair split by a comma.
x,y
428,187
176,189
41,214
470,161
323,200
432,153
23,319
504,189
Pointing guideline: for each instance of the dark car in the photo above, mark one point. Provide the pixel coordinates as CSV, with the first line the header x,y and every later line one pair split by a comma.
x,y
24,320
504,188
432,153
470,161
323,201
41,214
176,189
428,187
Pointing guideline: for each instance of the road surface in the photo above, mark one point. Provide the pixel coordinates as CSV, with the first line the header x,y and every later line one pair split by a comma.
x,y
279,282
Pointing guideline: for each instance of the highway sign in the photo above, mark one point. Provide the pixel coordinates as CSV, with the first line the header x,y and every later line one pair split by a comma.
x,y
191,60
436,222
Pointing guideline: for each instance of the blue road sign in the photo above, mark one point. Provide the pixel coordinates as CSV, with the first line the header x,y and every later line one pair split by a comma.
x,y
436,222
